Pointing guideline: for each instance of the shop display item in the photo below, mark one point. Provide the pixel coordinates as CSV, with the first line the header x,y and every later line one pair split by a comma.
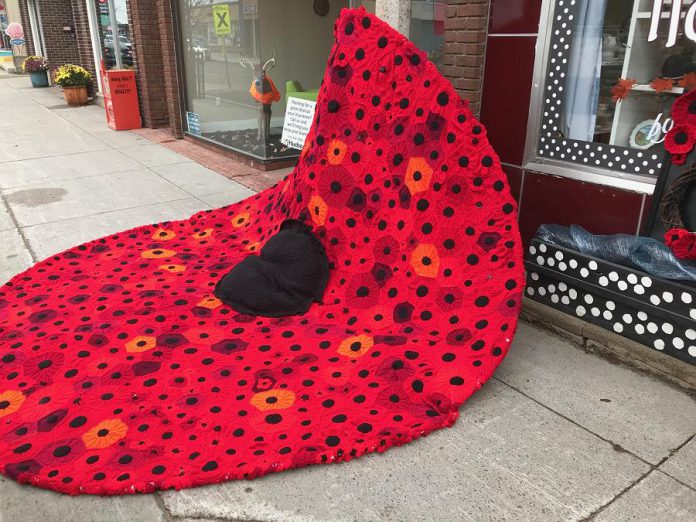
x,y
285,279
121,372
641,252
264,91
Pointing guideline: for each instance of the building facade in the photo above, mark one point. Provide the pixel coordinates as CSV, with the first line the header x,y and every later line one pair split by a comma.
x,y
539,73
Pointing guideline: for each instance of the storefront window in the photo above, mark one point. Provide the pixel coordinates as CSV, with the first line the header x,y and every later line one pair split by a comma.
x,y
428,28
116,47
614,68
244,58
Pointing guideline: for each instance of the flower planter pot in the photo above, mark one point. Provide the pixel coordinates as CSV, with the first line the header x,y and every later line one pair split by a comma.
x,y
75,96
39,79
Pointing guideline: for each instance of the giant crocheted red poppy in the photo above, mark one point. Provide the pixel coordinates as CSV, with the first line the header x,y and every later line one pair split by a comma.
x,y
121,373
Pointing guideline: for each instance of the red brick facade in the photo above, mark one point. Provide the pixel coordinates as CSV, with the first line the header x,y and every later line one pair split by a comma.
x,y
466,26
152,33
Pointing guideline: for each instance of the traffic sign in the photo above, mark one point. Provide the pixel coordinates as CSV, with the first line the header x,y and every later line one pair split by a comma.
x,y
221,18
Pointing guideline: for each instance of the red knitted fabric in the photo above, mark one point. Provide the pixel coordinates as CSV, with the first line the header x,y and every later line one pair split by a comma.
x,y
121,373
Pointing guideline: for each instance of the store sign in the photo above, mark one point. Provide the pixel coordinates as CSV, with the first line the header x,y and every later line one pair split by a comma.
x,y
674,20
194,123
221,17
659,129
299,115
17,41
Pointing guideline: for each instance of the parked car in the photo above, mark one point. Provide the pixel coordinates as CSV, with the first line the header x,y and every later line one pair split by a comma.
x,y
123,42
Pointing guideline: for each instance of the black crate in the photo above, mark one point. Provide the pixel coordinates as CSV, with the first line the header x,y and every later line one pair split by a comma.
x,y
658,313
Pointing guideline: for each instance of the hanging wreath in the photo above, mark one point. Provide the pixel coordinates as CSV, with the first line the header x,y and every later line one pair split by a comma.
x,y
678,238
674,199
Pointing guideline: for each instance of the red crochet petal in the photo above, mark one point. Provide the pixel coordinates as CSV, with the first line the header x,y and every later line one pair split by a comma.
x,y
121,373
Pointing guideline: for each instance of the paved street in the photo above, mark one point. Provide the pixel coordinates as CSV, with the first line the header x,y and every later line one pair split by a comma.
x,y
557,434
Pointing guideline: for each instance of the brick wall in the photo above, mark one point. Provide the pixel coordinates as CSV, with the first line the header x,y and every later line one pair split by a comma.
x,y
466,25
154,50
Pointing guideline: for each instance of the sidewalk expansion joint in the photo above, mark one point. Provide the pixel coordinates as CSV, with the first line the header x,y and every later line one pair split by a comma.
x,y
19,230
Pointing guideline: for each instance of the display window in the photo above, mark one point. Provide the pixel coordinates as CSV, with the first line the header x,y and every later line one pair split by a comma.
x,y
115,45
427,28
608,74
243,60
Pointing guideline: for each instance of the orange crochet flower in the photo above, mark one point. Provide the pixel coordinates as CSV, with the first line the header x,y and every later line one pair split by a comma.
x,y
163,235
105,434
276,399
10,402
662,84
425,260
318,210
141,343
210,302
157,253
418,175
174,269
621,89
240,219
356,346
336,152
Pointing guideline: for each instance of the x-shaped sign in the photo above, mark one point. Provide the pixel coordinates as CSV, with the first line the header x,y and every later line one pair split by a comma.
x,y
222,18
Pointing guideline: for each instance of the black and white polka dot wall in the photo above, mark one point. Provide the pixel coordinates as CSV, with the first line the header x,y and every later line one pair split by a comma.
x,y
655,312
552,143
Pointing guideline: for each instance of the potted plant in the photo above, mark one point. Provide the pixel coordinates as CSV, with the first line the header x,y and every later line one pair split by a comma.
x,y
73,79
37,68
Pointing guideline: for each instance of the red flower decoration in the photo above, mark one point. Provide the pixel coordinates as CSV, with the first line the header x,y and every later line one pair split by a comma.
x,y
621,89
682,242
684,109
680,139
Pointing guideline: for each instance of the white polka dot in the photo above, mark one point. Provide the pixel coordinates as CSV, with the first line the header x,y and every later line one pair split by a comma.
x,y
584,272
607,315
618,327
589,299
613,276
603,281
623,285
646,282
565,300
642,316
640,329
530,290
659,344
573,264
540,260
692,351
532,250
627,318
610,305
592,265
667,296
552,289
580,311
562,266
551,261
652,328
691,334
692,313
542,248
573,294
632,278
686,298
678,343
655,300
667,328
595,311
555,299
535,276
559,255
639,289
542,291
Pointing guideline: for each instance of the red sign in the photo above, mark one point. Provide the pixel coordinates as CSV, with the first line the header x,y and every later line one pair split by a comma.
x,y
121,99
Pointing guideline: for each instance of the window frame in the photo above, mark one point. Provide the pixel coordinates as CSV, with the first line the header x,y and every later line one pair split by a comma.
x,y
590,163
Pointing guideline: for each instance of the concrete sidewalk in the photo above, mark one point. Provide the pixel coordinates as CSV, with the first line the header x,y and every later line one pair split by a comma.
x,y
558,434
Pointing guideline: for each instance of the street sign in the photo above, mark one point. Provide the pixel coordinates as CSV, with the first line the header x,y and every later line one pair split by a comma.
x,y
17,41
221,18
